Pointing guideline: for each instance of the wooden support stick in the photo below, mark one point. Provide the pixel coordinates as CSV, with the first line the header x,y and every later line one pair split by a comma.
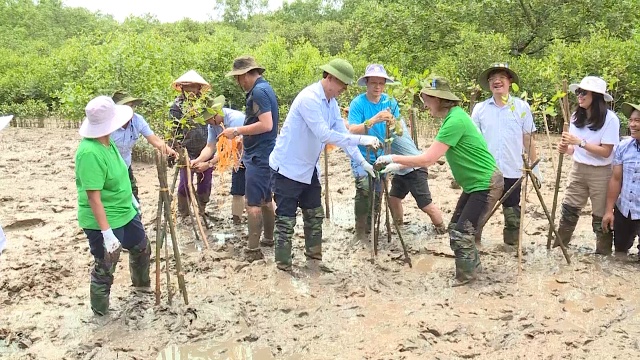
x,y
407,259
412,120
162,177
327,210
193,201
158,246
564,102
550,146
523,210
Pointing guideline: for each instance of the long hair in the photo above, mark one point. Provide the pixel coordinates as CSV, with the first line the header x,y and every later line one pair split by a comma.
x,y
598,113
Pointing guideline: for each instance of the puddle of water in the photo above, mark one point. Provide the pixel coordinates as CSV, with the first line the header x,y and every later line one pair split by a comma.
x,y
213,350
426,263
221,238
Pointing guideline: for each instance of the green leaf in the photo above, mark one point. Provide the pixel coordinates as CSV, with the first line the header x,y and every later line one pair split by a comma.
x,y
515,87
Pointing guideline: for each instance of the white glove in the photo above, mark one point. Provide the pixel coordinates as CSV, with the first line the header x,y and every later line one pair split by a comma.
x,y
391,168
112,246
136,204
538,175
368,140
384,159
368,168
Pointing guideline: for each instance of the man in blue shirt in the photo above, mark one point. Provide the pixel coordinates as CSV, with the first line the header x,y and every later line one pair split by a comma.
x,y
126,136
623,208
507,125
369,113
259,134
313,122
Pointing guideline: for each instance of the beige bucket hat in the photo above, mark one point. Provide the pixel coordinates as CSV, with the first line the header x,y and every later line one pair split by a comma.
x,y
191,77
439,87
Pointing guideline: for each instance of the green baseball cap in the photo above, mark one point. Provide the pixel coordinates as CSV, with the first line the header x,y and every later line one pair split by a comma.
x,y
341,69
439,87
629,108
483,78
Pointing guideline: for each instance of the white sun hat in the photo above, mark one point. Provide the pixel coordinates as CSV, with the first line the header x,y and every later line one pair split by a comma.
x,y
4,121
190,77
593,84
104,117
375,70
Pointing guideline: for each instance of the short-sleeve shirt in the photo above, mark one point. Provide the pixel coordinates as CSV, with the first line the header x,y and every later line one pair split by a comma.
x,y
627,154
212,134
472,165
233,118
404,145
260,99
608,134
125,138
100,167
503,128
361,109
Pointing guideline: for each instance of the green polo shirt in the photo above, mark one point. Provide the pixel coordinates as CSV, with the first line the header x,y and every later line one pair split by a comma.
x,y
472,165
100,167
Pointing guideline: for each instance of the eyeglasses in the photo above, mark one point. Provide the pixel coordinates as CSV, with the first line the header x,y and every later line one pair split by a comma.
x,y
498,77
581,92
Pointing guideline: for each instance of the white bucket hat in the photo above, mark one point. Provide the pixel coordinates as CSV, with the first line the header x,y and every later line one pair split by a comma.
x,y
4,121
104,117
375,70
593,84
191,77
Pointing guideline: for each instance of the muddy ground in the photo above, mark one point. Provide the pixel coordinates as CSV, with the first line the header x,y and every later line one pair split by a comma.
x,y
362,310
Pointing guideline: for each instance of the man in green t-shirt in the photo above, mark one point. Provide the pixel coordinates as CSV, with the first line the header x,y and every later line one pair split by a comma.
x,y
472,166
107,211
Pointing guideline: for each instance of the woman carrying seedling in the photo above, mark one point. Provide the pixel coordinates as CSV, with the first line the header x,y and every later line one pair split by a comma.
x,y
106,210
593,133
191,135
472,165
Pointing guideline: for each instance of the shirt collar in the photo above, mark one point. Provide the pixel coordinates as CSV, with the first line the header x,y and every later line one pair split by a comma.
x,y
493,101
259,80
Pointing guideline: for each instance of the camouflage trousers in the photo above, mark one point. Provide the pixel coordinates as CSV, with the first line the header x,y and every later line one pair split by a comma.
x,y
362,199
133,238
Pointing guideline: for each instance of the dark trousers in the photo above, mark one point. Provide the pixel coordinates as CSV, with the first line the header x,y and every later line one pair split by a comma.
x,y
469,210
625,231
514,198
134,184
204,180
290,194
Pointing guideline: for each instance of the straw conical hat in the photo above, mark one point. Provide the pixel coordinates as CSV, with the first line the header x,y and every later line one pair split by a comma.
x,y
190,77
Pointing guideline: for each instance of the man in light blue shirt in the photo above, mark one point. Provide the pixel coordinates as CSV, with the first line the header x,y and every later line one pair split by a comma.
x,y
125,137
313,121
507,125
623,208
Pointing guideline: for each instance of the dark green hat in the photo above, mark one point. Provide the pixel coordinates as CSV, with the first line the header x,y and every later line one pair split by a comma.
x,y
439,87
483,78
121,97
341,69
628,108
214,107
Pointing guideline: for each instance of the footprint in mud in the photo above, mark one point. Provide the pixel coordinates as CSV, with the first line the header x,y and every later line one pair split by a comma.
x,y
25,223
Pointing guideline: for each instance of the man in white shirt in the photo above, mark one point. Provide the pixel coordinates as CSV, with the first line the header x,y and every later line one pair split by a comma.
x,y
507,125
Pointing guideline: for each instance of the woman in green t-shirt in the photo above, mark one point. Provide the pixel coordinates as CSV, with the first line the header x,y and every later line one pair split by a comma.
x,y
107,210
472,165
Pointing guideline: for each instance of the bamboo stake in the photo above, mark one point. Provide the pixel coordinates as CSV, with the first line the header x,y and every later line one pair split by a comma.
x,y
414,129
166,268
387,151
327,210
407,259
193,201
158,245
564,103
523,210
550,146
162,177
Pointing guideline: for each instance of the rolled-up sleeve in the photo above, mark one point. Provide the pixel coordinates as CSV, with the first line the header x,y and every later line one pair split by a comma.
x,y
353,151
311,112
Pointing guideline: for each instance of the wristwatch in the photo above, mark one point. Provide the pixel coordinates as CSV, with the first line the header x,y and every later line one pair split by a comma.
x,y
583,143
235,131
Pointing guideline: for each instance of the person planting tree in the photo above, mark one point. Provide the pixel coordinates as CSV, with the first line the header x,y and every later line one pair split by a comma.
x,y
259,134
313,121
593,132
507,125
472,165
126,136
106,205
370,113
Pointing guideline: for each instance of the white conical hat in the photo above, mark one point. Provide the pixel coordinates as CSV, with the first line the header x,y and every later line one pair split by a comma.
x,y
4,121
191,77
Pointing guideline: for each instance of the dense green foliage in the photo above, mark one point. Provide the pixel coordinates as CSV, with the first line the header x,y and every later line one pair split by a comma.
x,y
55,58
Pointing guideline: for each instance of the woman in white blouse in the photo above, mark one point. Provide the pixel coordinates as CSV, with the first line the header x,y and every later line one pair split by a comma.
x,y
593,133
